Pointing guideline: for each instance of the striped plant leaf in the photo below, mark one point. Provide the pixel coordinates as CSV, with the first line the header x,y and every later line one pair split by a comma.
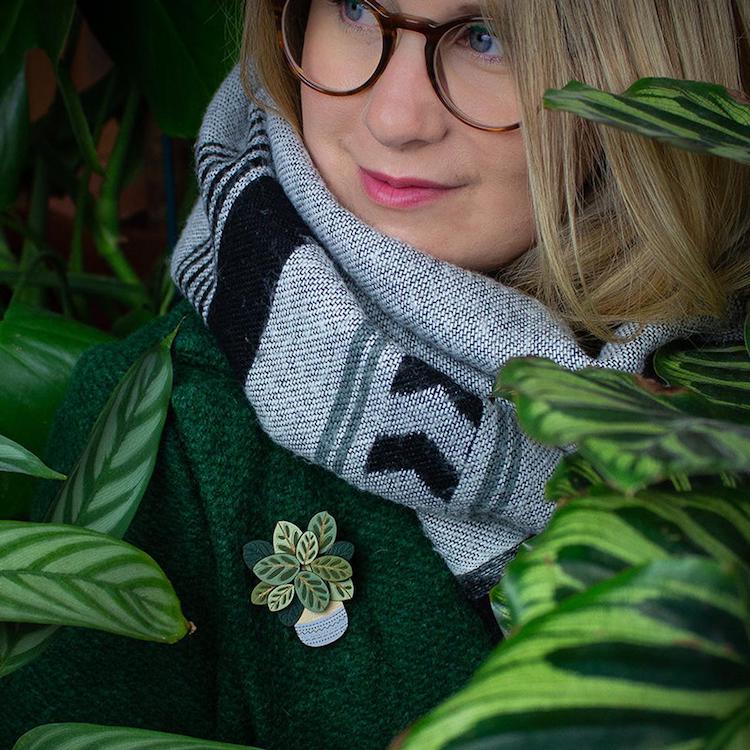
x,y
341,591
633,431
65,575
107,483
721,375
259,594
15,458
285,537
312,591
572,476
88,736
307,548
280,597
323,525
277,569
689,114
657,657
593,538
332,568
21,643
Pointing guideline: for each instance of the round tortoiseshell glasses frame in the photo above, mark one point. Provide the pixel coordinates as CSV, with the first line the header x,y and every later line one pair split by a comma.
x,y
390,23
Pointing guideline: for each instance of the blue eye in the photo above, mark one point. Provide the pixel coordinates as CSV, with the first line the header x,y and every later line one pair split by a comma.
x,y
354,11
482,42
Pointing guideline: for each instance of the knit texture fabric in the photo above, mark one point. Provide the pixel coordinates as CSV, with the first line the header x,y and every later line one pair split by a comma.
x,y
242,677
367,356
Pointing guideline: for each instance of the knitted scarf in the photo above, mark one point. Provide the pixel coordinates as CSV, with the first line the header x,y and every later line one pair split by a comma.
x,y
367,356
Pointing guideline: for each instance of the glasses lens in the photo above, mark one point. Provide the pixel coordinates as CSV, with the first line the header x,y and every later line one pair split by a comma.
x,y
335,45
474,75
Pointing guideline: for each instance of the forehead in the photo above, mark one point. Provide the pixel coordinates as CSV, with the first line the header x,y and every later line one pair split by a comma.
x,y
437,10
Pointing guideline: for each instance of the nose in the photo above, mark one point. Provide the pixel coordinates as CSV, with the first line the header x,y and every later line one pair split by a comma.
x,y
403,111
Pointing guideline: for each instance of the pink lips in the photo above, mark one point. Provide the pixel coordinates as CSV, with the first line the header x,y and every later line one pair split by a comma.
x,y
403,192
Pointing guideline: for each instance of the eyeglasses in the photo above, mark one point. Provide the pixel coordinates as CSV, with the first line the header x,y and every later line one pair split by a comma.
x,y
341,47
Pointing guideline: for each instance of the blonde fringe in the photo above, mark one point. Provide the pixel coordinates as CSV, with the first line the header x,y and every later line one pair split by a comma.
x,y
626,228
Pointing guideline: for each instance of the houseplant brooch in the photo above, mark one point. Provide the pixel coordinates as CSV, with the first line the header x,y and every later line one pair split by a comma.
x,y
305,577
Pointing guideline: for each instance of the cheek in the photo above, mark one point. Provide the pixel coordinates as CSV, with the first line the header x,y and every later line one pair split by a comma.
x,y
326,120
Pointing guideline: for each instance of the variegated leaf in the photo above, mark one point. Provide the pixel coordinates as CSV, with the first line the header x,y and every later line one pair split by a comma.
x,y
332,568
285,537
323,525
312,591
259,594
15,458
289,615
720,374
281,597
255,551
88,736
307,548
342,549
341,591
689,114
634,432
107,483
656,657
21,643
596,537
55,574
277,569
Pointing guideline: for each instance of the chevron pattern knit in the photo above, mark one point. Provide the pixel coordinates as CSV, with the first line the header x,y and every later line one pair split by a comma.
x,y
364,355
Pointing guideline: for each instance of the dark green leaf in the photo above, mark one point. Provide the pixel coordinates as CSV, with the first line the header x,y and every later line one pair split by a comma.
x,y
14,128
289,616
634,432
572,476
87,736
256,550
14,457
312,591
343,549
688,114
656,657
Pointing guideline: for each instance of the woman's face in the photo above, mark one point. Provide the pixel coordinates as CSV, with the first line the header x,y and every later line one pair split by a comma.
x,y
377,149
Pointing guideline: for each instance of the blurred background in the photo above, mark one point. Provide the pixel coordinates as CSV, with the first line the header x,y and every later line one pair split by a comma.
x,y
99,106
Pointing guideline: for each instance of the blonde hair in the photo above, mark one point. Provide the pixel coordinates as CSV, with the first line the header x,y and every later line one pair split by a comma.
x,y
626,228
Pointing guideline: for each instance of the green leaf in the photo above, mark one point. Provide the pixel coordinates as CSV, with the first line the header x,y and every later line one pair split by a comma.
x,y
593,538
15,458
58,574
21,643
87,736
38,350
178,53
323,525
342,549
332,568
255,551
312,591
341,591
688,114
259,595
277,569
289,616
281,597
285,537
656,657
747,330
634,432
106,485
307,548
720,374
572,476
14,128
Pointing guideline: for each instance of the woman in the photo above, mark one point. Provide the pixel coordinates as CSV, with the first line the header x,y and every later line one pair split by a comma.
x,y
376,235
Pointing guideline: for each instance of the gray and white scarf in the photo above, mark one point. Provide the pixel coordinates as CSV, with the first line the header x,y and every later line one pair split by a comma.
x,y
367,356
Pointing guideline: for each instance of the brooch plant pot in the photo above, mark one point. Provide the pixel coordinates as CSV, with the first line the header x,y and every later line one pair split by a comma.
x,y
305,577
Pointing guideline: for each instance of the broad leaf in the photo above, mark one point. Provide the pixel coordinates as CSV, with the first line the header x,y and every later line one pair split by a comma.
x,y
64,575
721,375
289,615
342,549
341,591
21,643
177,52
323,525
15,458
280,597
591,539
657,657
307,548
332,568
255,551
312,591
688,114
87,736
38,350
633,431
259,595
277,569
106,485
285,537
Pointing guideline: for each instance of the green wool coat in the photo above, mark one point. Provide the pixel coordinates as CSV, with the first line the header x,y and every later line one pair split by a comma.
x,y
242,677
